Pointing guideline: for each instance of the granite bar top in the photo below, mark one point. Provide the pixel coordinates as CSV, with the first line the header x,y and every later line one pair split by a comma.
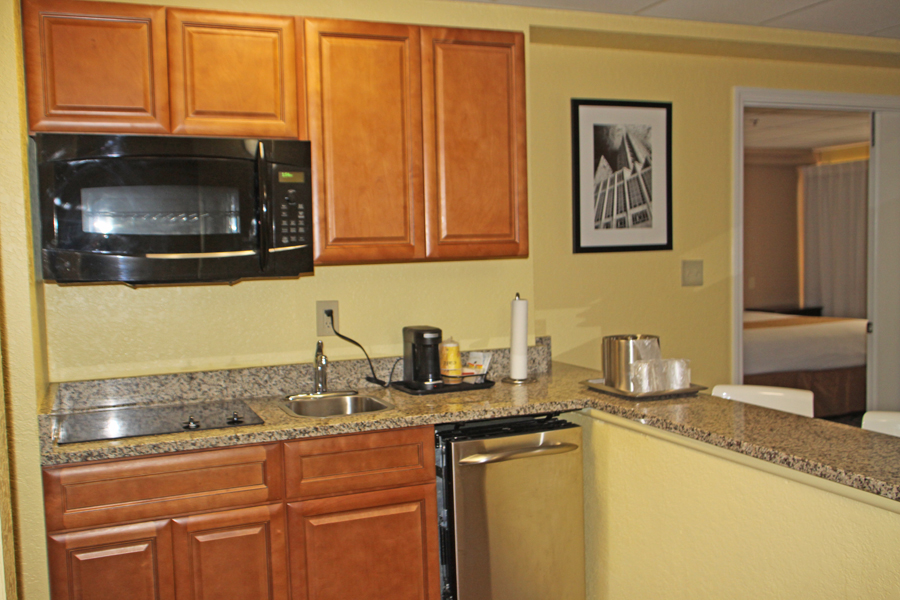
x,y
841,453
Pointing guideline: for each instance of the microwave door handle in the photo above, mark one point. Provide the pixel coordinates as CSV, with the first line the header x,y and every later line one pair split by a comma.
x,y
265,217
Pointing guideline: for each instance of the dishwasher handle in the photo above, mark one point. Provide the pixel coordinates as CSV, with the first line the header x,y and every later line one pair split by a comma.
x,y
514,453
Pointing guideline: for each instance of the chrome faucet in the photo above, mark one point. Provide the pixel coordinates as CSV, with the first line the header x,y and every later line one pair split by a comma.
x,y
320,375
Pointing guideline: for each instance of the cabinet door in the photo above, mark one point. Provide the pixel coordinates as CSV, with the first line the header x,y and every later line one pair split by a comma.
x,y
233,74
231,555
370,546
363,98
131,562
473,95
95,66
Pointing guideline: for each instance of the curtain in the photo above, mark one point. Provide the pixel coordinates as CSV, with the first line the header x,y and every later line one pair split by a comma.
x,y
835,214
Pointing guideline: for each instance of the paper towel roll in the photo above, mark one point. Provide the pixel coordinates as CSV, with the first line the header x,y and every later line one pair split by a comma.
x,y
518,340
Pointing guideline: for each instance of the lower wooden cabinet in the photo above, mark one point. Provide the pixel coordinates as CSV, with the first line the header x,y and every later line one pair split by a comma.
x,y
132,562
370,546
202,538
231,555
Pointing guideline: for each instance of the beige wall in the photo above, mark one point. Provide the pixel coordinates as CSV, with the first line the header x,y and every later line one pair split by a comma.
x,y
7,545
104,331
580,298
672,518
771,267
110,331
24,374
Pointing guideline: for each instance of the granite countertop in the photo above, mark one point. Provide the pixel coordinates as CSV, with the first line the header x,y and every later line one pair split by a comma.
x,y
847,455
557,391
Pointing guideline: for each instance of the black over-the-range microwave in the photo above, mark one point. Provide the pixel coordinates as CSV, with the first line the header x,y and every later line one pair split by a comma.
x,y
160,209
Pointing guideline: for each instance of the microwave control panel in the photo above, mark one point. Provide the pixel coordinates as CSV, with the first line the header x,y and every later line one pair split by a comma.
x,y
292,217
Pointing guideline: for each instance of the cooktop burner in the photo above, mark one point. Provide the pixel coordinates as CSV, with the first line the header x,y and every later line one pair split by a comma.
x,y
115,423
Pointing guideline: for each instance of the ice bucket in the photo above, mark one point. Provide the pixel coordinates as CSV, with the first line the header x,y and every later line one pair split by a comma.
x,y
619,351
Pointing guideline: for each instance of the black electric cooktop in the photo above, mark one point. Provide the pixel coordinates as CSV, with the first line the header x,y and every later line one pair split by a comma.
x,y
115,423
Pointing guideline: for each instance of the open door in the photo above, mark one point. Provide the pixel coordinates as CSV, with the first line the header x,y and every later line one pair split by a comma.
x,y
883,376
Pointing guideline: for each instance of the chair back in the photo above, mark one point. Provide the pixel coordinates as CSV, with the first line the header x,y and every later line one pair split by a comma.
x,y
882,421
799,402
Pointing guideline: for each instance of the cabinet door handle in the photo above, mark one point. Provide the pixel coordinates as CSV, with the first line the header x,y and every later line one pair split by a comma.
x,y
514,453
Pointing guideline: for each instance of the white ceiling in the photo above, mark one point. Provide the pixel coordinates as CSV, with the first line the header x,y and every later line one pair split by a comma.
x,y
878,18
804,129
770,128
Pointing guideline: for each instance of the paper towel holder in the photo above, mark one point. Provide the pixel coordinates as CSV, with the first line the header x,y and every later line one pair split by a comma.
x,y
522,342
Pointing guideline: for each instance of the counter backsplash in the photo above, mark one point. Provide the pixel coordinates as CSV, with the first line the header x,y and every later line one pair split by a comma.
x,y
256,381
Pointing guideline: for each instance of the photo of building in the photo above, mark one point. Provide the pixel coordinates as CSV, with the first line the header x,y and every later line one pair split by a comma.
x,y
622,196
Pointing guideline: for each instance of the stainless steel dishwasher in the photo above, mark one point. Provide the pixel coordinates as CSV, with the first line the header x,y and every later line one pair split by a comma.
x,y
510,500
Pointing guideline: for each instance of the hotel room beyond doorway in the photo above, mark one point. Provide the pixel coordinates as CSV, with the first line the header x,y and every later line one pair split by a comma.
x,y
805,244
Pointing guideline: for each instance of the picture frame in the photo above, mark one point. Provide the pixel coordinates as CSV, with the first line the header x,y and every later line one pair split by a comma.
x,y
621,175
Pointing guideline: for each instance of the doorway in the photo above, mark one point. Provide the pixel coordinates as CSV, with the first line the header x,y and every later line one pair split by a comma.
x,y
883,212
805,230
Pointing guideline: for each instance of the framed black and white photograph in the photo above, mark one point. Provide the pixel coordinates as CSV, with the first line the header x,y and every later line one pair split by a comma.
x,y
621,175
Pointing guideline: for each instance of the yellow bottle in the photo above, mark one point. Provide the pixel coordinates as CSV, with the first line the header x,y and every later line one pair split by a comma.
x,y
451,362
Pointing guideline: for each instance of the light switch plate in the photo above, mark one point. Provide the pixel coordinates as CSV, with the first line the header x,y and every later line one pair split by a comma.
x,y
691,273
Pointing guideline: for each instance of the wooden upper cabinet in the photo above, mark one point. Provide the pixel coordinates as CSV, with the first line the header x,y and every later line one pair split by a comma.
x,y
233,74
365,124
473,98
418,133
95,67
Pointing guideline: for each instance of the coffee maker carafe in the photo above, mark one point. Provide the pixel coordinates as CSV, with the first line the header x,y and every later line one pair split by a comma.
x,y
421,357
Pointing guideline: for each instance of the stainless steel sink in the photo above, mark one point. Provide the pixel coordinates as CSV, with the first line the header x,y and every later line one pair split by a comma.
x,y
332,405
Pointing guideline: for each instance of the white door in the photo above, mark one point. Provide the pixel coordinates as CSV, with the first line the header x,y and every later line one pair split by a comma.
x,y
883,377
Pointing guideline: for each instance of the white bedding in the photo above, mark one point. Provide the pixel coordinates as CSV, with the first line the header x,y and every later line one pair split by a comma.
x,y
828,345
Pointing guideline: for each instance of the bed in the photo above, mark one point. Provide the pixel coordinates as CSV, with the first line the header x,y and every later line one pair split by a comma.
x,y
826,355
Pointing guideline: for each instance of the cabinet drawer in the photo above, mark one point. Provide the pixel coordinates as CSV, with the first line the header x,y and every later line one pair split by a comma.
x,y
354,463
141,488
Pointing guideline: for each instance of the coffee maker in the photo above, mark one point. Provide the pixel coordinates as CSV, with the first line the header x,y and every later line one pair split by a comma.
x,y
421,357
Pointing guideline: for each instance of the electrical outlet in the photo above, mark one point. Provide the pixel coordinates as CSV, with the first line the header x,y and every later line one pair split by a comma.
x,y
691,273
323,322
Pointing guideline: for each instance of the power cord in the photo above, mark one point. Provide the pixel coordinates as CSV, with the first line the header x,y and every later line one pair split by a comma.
x,y
370,378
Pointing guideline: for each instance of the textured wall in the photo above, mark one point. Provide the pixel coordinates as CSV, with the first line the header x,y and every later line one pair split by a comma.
x,y
667,521
24,374
582,297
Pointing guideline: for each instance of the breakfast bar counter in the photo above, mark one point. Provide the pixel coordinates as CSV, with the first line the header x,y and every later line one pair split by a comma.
x,y
839,453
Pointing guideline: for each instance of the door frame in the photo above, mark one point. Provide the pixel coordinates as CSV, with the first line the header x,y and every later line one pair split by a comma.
x,y
778,98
